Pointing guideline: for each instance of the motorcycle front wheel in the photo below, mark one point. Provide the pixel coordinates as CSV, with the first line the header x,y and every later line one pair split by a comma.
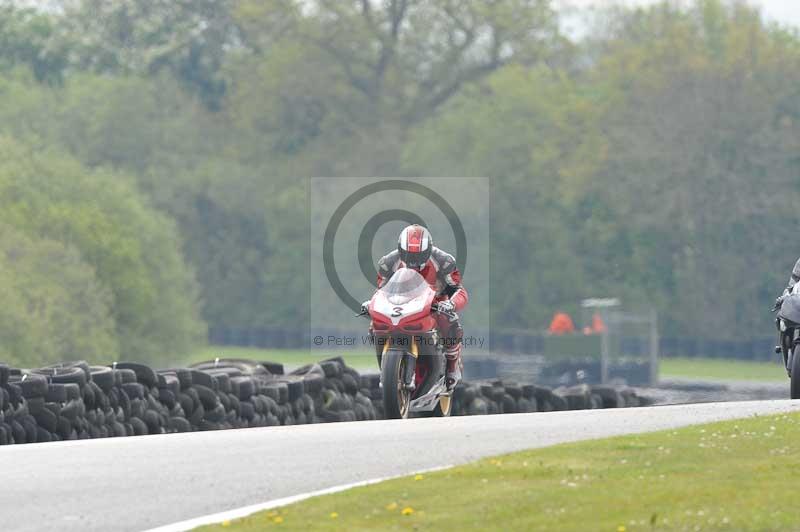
x,y
396,398
795,373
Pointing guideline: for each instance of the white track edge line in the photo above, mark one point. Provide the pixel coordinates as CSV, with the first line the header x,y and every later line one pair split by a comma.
x,y
244,511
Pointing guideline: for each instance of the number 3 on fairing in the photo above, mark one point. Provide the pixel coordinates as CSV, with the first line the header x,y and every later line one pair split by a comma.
x,y
398,311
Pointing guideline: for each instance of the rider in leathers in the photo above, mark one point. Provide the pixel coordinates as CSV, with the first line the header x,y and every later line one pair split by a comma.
x,y
415,250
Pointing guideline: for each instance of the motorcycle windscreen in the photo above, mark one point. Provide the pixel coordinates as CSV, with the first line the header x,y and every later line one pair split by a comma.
x,y
406,284
790,309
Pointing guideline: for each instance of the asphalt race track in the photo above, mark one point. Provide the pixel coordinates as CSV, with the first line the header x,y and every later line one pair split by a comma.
x,y
137,483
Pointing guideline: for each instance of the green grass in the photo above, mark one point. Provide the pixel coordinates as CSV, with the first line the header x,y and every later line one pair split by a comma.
x,y
721,369
357,358
731,476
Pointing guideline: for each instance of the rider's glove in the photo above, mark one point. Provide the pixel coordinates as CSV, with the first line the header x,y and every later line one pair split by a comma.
x,y
365,307
446,306
778,302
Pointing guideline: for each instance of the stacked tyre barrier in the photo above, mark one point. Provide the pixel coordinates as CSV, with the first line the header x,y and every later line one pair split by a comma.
x,y
75,400
499,397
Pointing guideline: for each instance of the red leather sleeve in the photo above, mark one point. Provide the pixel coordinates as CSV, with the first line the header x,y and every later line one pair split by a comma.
x,y
460,298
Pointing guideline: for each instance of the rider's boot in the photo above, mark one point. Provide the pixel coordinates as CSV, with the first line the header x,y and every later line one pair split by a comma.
x,y
452,353
454,366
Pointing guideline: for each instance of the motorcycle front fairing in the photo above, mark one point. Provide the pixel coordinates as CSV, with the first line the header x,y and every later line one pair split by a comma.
x,y
402,308
788,322
790,310
404,300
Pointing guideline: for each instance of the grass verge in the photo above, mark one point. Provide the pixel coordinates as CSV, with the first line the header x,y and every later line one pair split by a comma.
x,y
732,476
711,368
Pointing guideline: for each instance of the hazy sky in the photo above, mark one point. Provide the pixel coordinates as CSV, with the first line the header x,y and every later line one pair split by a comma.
x,y
783,11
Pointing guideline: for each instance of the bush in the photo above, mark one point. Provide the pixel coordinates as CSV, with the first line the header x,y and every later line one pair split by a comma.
x,y
134,250
54,307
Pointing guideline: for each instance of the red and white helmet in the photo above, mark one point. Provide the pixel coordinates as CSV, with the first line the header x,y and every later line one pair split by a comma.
x,y
415,244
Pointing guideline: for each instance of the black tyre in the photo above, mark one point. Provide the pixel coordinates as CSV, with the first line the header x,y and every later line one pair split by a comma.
x,y
144,374
74,375
32,385
204,379
42,435
71,410
18,431
169,381
56,393
100,399
180,424
139,427
235,404
31,429
133,390
186,402
279,392
185,377
396,399
795,374
478,407
216,414
350,384
103,376
63,427
207,396
223,381
35,404
509,404
14,393
243,387
197,416
153,422
118,429
332,368
248,411
46,420
295,388
122,376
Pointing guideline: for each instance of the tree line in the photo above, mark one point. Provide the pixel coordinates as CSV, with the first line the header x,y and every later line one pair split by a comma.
x,y
153,156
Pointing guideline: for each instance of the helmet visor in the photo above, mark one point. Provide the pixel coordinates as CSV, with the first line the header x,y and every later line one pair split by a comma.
x,y
415,260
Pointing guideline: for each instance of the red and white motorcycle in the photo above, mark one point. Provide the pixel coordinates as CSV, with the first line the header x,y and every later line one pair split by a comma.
x,y
412,358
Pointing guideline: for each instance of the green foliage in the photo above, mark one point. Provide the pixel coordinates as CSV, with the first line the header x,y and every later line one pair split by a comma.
x,y
26,39
516,137
702,162
652,160
54,307
134,250
187,39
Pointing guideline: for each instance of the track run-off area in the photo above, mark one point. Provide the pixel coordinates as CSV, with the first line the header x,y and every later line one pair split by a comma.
x,y
139,483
